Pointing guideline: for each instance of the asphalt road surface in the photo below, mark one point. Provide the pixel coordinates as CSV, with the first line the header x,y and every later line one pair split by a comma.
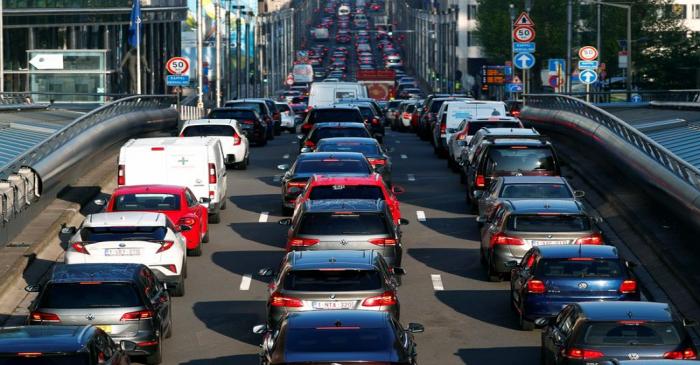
x,y
467,318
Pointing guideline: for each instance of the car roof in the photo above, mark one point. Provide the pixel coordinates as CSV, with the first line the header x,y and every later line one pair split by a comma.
x,y
551,206
515,132
211,121
334,106
373,180
76,273
123,219
344,318
569,251
345,205
363,140
339,125
153,189
44,339
171,142
332,259
327,155
617,311
233,109
533,179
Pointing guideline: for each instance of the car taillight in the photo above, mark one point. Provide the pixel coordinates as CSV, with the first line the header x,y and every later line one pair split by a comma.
x,y
383,241
279,300
248,122
187,221
170,267
295,185
309,143
377,161
503,239
236,139
535,287
443,127
44,317
594,239
687,354
301,242
461,137
212,195
628,286
121,175
212,173
575,353
164,245
480,181
387,298
80,248
137,316
515,113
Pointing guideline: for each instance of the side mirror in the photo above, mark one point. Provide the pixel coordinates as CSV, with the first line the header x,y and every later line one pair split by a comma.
x,y
397,189
266,272
204,200
69,230
511,264
404,221
415,328
306,150
687,322
398,270
542,322
100,202
630,264
285,222
32,288
260,329
578,194
127,346
283,167
185,228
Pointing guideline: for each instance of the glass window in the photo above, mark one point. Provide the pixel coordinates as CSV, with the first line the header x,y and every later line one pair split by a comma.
x,y
321,133
232,114
342,223
257,107
363,148
696,11
474,126
100,234
335,281
346,192
191,199
626,333
338,339
333,166
580,268
209,130
139,202
521,159
336,115
549,223
91,295
536,191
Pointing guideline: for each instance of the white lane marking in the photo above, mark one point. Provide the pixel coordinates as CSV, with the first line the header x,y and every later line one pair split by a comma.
x,y
420,215
411,177
245,282
397,141
294,142
263,217
404,157
285,156
277,178
437,282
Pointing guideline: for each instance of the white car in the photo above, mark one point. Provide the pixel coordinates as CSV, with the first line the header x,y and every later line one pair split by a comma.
x,y
289,119
234,143
343,10
132,237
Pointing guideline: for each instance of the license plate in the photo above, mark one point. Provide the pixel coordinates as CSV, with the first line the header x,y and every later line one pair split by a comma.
x,y
106,328
543,243
333,305
122,251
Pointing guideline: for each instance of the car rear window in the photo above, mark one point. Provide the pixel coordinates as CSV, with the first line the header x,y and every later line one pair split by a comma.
x,y
333,166
580,268
435,106
343,223
100,234
549,223
46,359
630,333
337,115
89,295
363,148
474,126
366,112
333,280
410,108
232,114
393,104
283,107
536,191
338,339
209,130
322,133
254,106
519,159
140,202
346,192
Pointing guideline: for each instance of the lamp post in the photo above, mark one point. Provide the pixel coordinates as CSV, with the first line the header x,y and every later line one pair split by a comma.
x,y
569,36
511,10
217,16
200,73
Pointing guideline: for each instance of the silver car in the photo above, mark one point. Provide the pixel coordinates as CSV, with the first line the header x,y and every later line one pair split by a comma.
x,y
348,224
331,280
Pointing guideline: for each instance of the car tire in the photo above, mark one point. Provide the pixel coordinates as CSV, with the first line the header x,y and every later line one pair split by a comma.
x,y
223,206
287,211
462,178
169,334
156,357
197,251
179,289
205,239
215,218
263,142
482,258
493,275
525,325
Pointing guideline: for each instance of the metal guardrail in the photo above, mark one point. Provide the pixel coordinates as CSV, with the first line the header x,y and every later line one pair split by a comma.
x,y
644,96
680,168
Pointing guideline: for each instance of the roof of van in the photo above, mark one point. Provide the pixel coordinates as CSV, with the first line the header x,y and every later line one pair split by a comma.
x,y
171,141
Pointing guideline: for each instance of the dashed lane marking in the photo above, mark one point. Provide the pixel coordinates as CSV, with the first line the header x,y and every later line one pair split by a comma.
x,y
437,282
420,215
411,177
277,178
263,217
245,281
404,157
285,156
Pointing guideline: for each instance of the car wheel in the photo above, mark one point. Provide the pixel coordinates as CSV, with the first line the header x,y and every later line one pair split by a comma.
x,y
215,218
197,251
223,205
179,289
494,276
462,177
287,210
278,131
482,258
170,324
205,239
157,356
525,325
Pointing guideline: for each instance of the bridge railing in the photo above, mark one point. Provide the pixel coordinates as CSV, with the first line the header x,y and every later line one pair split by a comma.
x,y
641,96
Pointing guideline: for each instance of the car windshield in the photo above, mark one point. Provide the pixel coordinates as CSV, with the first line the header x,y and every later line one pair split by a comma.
x,y
393,104
579,268
209,130
346,192
549,223
337,115
283,107
363,148
536,191
140,202
366,112
474,126
343,223
333,280
89,295
631,333
519,159
331,166
101,234
254,106
322,133
232,114
46,359
338,339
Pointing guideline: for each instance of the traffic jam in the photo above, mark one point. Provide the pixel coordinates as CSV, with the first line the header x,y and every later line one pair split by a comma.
x,y
335,297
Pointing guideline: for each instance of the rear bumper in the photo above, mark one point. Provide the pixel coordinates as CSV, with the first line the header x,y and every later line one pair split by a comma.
x,y
501,255
147,342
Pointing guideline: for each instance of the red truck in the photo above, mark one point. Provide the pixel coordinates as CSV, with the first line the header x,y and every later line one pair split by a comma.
x,y
381,85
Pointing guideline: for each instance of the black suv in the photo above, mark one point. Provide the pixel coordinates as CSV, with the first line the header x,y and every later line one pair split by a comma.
x,y
332,130
251,123
335,114
507,152
262,108
61,345
127,301
428,116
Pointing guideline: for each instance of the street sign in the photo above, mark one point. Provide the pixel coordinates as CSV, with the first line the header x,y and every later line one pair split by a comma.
x,y
622,59
524,61
177,80
47,61
636,98
556,64
523,34
514,88
587,65
523,19
587,53
524,47
554,81
178,65
588,76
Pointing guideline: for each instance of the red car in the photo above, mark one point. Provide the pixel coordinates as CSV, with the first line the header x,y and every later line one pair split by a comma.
x,y
355,187
176,202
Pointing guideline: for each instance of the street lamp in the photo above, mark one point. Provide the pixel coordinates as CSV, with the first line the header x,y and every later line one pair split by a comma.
x,y
511,9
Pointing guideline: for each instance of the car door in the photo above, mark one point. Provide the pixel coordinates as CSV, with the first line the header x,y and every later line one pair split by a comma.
x,y
492,226
158,298
520,276
556,335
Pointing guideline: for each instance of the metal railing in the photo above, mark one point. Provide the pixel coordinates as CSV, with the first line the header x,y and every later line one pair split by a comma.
x,y
643,96
554,102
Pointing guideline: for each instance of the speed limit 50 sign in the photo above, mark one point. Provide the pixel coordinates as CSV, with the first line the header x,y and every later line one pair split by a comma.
x,y
523,34
178,65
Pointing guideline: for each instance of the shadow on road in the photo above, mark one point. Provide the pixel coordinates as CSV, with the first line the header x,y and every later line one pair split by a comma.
x,y
259,203
248,262
232,318
524,355
456,261
228,360
270,233
490,306
463,228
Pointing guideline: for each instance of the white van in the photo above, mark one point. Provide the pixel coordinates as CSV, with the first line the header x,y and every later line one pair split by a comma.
x,y
328,93
454,112
196,163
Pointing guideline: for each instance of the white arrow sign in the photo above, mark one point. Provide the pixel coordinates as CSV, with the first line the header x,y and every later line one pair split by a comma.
x,y
588,76
50,61
524,60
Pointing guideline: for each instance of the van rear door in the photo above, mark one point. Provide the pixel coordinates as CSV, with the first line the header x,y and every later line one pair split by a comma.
x,y
144,164
188,166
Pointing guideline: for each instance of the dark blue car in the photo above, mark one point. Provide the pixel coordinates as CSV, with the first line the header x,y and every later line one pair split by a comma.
x,y
550,277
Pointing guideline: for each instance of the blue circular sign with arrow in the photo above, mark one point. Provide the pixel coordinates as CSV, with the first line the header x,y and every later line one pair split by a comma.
x,y
524,61
588,76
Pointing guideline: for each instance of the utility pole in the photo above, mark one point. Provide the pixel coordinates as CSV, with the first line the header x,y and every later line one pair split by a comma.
x,y
227,53
569,36
247,55
200,74
630,67
217,16
599,26
2,50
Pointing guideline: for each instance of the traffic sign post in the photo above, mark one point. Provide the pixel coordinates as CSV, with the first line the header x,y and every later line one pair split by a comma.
x,y
588,77
524,34
524,47
178,65
587,53
588,65
524,61
523,37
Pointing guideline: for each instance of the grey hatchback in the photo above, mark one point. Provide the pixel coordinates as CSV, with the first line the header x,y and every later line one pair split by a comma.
x,y
125,300
331,279
345,224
